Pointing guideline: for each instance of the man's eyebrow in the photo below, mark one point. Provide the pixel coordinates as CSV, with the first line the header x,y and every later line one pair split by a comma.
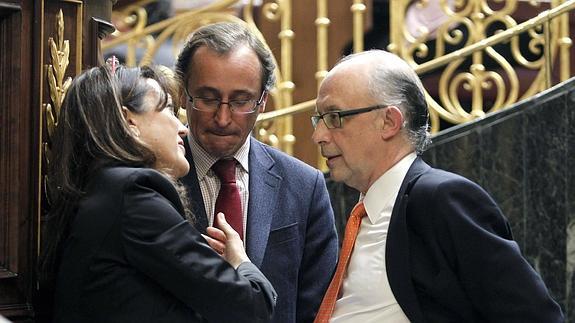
x,y
242,92
206,89
216,91
329,108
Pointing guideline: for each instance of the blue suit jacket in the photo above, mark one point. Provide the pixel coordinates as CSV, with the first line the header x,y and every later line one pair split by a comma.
x,y
450,255
290,228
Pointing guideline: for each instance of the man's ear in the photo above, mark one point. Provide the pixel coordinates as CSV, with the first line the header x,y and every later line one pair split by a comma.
x,y
392,120
183,100
262,106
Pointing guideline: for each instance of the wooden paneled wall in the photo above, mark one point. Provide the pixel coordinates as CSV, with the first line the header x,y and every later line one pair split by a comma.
x,y
16,160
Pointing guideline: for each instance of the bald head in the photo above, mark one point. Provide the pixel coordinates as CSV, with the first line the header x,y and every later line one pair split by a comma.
x,y
387,80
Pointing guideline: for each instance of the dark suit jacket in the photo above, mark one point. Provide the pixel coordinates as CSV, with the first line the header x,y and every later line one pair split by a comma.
x,y
131,257
290,231
450,255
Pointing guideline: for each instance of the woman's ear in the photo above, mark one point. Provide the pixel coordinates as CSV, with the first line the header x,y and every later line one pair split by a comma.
x,y
126,113
131,121
392,120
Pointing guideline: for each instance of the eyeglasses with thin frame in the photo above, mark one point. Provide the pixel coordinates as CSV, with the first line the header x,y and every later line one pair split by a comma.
x,y
236,106
332,119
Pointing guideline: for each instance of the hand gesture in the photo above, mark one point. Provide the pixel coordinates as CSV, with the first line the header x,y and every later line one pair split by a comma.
x,y
226,242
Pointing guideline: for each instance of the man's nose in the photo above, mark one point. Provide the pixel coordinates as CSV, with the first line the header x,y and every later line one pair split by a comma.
x,y
320,133
223,114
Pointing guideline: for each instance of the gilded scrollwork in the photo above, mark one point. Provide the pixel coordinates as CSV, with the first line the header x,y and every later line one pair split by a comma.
x,y
486,80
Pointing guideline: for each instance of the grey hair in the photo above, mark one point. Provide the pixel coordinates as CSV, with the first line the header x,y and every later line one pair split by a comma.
x,y
394,82
224,38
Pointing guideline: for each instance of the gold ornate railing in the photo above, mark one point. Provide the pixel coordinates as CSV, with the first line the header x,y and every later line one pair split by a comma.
x,y
500,82
466,83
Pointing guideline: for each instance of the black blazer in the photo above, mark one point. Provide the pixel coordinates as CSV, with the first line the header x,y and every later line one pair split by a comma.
x,y
132,257
450,256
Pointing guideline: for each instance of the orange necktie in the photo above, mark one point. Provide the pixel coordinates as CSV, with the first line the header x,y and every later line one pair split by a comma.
x,y
330,297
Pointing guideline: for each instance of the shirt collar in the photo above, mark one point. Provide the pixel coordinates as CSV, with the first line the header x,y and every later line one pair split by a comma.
x,y
204,161
384,190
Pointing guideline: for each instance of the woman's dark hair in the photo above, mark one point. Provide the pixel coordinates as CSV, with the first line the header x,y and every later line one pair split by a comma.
x,y
91,134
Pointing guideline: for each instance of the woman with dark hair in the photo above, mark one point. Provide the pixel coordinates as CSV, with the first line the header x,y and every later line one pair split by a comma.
x,y
120,246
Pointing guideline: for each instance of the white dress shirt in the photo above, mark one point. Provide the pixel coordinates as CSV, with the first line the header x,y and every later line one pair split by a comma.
x,y
210,183
365,293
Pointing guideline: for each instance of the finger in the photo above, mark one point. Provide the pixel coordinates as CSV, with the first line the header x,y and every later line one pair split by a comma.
x,y
205,236
224,225
216,233
218,246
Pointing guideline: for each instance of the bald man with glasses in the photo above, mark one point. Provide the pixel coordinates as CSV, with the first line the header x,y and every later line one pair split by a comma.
x,y
422,245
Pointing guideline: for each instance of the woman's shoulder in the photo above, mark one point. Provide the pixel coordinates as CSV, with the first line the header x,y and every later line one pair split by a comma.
x,y
123,174
126,178
117,182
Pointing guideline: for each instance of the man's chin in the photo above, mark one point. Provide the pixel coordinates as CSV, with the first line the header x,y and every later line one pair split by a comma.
x,y
222,150
334,175
220,146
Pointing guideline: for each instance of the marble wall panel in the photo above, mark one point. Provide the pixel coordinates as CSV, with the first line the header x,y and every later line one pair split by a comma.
x,y
502,168
570,216
545,186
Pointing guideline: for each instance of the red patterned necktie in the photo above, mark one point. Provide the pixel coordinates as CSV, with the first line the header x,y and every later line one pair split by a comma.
x,y
228,201
351,229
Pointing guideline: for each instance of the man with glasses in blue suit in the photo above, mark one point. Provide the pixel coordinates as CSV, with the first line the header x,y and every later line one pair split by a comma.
x,y
278,204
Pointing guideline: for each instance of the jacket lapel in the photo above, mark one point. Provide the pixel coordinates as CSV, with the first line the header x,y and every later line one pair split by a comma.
x,y
264,187
194,192
397,247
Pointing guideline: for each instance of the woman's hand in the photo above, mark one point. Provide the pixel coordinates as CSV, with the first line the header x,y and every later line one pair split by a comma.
x,y
226,241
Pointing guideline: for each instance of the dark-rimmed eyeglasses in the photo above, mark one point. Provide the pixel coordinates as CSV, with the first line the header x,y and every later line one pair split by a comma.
x,y
332,119
208,104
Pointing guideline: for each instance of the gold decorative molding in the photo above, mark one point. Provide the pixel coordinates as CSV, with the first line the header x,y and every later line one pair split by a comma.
x,y
57,83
